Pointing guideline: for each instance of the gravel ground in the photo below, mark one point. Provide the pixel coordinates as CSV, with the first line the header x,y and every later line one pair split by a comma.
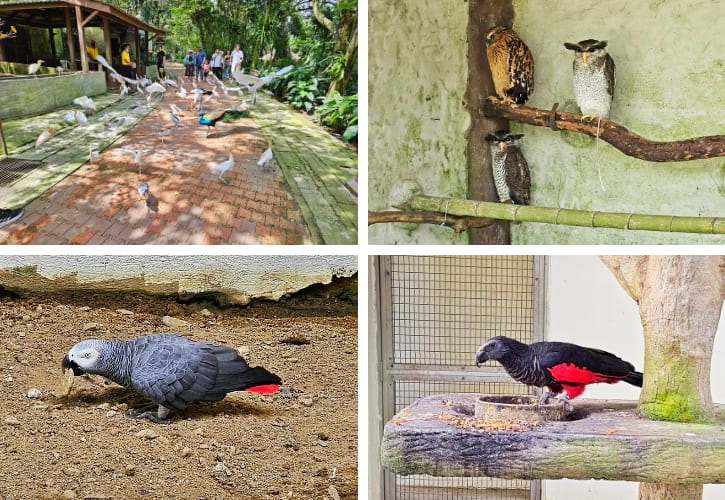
x,y
300,443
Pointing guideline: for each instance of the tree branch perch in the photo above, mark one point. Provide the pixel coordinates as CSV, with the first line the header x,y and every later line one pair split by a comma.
x,y
629,143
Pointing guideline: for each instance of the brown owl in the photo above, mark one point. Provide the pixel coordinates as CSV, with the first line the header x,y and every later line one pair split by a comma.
x,y
512,65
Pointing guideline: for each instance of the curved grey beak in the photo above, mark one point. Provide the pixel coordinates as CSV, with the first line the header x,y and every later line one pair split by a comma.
x,y
481,357
67,363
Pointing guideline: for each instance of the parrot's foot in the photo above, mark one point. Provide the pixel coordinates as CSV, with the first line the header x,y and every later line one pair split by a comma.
x,y
156,413
508,200
545,397
589,116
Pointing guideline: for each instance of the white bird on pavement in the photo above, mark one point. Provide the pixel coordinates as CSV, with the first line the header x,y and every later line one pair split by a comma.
x,y
143,189
81,117
222,168
266,156
92,154
155,88
182,92
136,155
85,102
170,82
33,68
178,121
44,136
124,89
176,109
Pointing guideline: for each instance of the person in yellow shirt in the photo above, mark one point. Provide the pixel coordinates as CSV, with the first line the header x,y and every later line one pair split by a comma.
x,y
126,61
92,52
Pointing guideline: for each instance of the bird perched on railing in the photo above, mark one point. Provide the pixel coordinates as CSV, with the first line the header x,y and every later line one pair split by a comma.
x,y
266,156
33,68
211,118
44,136
222,168
512,65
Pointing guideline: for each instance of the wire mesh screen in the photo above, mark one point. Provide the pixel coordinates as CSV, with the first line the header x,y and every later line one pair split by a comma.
x,y
443,308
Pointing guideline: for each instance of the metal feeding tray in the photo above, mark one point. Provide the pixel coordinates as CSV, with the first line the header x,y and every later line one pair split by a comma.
x,y
518,408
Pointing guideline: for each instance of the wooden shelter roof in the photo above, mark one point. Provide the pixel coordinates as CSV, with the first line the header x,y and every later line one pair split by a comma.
x,y
50,14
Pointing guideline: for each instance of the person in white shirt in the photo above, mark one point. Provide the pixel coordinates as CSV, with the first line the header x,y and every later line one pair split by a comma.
x,y
237,58
216,63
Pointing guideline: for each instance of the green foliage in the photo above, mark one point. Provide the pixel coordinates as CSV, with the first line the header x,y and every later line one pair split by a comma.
x,y
340,113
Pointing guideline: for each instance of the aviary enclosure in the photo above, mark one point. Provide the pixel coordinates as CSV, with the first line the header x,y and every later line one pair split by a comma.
x,y
429,317
653,175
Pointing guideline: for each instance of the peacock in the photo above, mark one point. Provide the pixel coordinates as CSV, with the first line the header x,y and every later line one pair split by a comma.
x,y
212,117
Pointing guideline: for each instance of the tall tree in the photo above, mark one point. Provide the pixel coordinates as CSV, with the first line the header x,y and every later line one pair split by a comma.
x,y
345,33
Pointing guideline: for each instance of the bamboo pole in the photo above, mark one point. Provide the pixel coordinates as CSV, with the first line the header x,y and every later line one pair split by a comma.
x,y
629,143
564,216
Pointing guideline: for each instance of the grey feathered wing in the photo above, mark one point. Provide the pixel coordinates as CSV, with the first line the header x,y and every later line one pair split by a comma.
x,y
174,371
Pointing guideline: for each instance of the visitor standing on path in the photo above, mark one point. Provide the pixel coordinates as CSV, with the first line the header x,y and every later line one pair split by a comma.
x,y
200,58
126,64
227,66
237,58
216,63
161,61
189,65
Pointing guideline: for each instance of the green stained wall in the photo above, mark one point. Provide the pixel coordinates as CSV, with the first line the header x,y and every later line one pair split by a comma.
x,y
417,125
670,59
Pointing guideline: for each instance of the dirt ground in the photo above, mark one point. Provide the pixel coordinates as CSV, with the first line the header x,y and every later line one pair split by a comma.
x,y
300,443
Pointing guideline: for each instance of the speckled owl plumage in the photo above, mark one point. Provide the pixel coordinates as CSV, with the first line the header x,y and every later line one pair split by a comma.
x,y
510,170
511,63
594,77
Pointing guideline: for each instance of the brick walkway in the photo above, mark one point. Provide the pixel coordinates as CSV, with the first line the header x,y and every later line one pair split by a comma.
x,y
99,203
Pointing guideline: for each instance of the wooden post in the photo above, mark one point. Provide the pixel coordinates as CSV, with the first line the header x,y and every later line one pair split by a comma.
x,y
82,39
71,42
139,59
2,137
482,16
107,45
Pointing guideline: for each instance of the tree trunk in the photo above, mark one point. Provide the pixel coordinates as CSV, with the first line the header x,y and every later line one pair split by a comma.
x,y
680,299
660,491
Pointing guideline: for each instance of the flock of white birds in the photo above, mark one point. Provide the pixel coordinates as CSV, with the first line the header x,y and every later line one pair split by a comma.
x,y
198,98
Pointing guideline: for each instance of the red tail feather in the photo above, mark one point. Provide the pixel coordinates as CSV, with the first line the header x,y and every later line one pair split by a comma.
x,y
264,389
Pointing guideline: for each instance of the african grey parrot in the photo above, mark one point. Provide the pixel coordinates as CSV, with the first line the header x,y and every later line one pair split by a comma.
x,y
170,370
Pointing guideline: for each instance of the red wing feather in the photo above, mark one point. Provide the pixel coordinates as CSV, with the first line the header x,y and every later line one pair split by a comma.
x,y
264,389
566,372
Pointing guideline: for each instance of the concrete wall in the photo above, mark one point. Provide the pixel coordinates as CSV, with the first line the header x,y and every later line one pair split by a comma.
x,y
670,86
417,71
587,306
31,96
238,278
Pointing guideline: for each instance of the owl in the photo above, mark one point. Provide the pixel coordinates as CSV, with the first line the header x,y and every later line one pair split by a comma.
x,y
512,65
594,76
510,170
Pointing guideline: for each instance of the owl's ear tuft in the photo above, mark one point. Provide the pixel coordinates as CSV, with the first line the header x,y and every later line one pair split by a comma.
x,y
490,137
572,46
517,136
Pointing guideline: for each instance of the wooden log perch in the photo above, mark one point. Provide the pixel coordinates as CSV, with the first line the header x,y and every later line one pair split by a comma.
x,y
458,224
545,215
629,143
438,435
